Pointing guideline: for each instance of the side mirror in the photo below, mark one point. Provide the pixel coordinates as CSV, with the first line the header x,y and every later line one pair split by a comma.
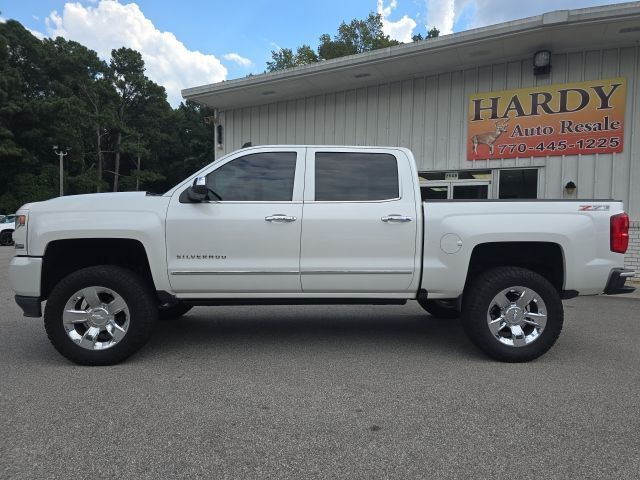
x,y
197,192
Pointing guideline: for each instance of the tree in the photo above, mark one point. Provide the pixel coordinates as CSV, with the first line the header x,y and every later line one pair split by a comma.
x,y
127,75
86,77
433,33
357,36
58,92
354,37
285,58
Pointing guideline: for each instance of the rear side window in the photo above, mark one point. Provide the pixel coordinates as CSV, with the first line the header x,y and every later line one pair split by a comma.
x,y
258,177
356,177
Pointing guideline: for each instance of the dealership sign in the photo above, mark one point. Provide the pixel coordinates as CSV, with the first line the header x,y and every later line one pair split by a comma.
x,y
566,119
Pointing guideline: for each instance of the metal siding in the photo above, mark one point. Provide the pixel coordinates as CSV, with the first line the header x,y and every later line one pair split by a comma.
x,y
340,119
372,116
429,115
318,135
395,107
417,121
330,119
406,111
361,116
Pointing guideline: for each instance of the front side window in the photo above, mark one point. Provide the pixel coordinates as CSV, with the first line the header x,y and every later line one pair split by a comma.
x,y
257,177
356,177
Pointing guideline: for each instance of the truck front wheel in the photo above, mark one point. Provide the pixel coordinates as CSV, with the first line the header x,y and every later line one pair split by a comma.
x,y
100,315
512,314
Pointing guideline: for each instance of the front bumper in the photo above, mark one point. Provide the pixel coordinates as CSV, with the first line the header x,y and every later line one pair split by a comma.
x,y
31,306
24,278
24,275
616,283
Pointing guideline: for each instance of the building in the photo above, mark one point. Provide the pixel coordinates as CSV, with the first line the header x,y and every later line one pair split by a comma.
x,y
482,121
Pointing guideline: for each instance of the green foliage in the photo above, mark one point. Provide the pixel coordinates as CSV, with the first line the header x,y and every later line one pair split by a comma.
x,y
357,36
285,58
109,116
433,33
354,37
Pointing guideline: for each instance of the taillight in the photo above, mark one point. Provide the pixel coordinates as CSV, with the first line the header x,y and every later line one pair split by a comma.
x,y
619,233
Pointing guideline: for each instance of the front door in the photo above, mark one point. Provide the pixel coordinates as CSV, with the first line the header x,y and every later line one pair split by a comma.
x,y
246,238
359,232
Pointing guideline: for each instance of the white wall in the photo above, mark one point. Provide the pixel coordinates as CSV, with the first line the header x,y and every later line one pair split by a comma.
x,y
428,114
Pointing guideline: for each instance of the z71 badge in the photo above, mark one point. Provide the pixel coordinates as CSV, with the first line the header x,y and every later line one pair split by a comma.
x,y
593,208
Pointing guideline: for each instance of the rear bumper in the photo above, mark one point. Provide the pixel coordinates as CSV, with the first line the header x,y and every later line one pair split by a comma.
x,y
31,306
616,283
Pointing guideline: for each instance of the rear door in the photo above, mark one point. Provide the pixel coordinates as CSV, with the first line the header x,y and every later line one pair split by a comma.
x,y
359,233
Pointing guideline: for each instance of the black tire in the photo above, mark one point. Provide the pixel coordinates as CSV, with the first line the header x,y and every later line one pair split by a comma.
x,y
477,300
173,312
441,309
132,288
6,238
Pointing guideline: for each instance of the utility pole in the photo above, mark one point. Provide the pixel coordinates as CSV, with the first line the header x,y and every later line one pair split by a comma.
x,y
61,154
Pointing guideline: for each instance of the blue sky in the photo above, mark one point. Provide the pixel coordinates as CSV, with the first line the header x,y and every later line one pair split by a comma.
x,y
195,42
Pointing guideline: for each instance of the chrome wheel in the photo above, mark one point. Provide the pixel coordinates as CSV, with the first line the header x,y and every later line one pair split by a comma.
x,y
96,318
517,316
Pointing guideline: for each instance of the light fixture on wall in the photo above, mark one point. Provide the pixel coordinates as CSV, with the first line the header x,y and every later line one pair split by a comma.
x,y
570,188
541,62
219,135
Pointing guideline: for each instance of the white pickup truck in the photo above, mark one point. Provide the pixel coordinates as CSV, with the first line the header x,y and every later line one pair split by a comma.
x,y
310,225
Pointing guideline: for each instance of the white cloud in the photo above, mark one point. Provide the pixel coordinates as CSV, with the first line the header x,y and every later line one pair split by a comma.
x,y
441,14
2,19
400,30
111,25
240,60
469,14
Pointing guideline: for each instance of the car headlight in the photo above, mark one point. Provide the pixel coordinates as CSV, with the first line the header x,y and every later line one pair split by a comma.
x,y
21,221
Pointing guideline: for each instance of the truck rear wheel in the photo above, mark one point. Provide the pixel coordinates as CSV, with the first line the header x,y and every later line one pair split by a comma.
x,y
100,315
512,314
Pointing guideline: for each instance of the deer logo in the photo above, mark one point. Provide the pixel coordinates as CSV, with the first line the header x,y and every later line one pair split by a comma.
x,y
489,138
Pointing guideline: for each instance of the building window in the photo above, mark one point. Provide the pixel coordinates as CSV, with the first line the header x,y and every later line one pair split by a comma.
x,y
471,192
455,185
519,183
356,177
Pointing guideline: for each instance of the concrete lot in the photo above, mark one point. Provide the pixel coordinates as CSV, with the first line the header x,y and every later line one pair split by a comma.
x,y
324,392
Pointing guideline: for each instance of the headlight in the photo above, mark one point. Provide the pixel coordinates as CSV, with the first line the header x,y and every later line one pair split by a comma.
x,y
21,221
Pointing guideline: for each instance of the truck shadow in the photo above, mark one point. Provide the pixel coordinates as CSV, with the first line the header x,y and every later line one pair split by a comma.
x,y
347,327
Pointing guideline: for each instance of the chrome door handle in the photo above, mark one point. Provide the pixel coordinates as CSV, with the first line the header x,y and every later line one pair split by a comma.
x,y
394,218
279,217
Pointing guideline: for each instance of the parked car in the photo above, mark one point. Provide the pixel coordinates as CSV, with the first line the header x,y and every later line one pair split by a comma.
x,y
7,226
311,225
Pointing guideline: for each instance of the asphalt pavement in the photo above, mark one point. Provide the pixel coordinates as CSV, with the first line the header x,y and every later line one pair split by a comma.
x,y
324,392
